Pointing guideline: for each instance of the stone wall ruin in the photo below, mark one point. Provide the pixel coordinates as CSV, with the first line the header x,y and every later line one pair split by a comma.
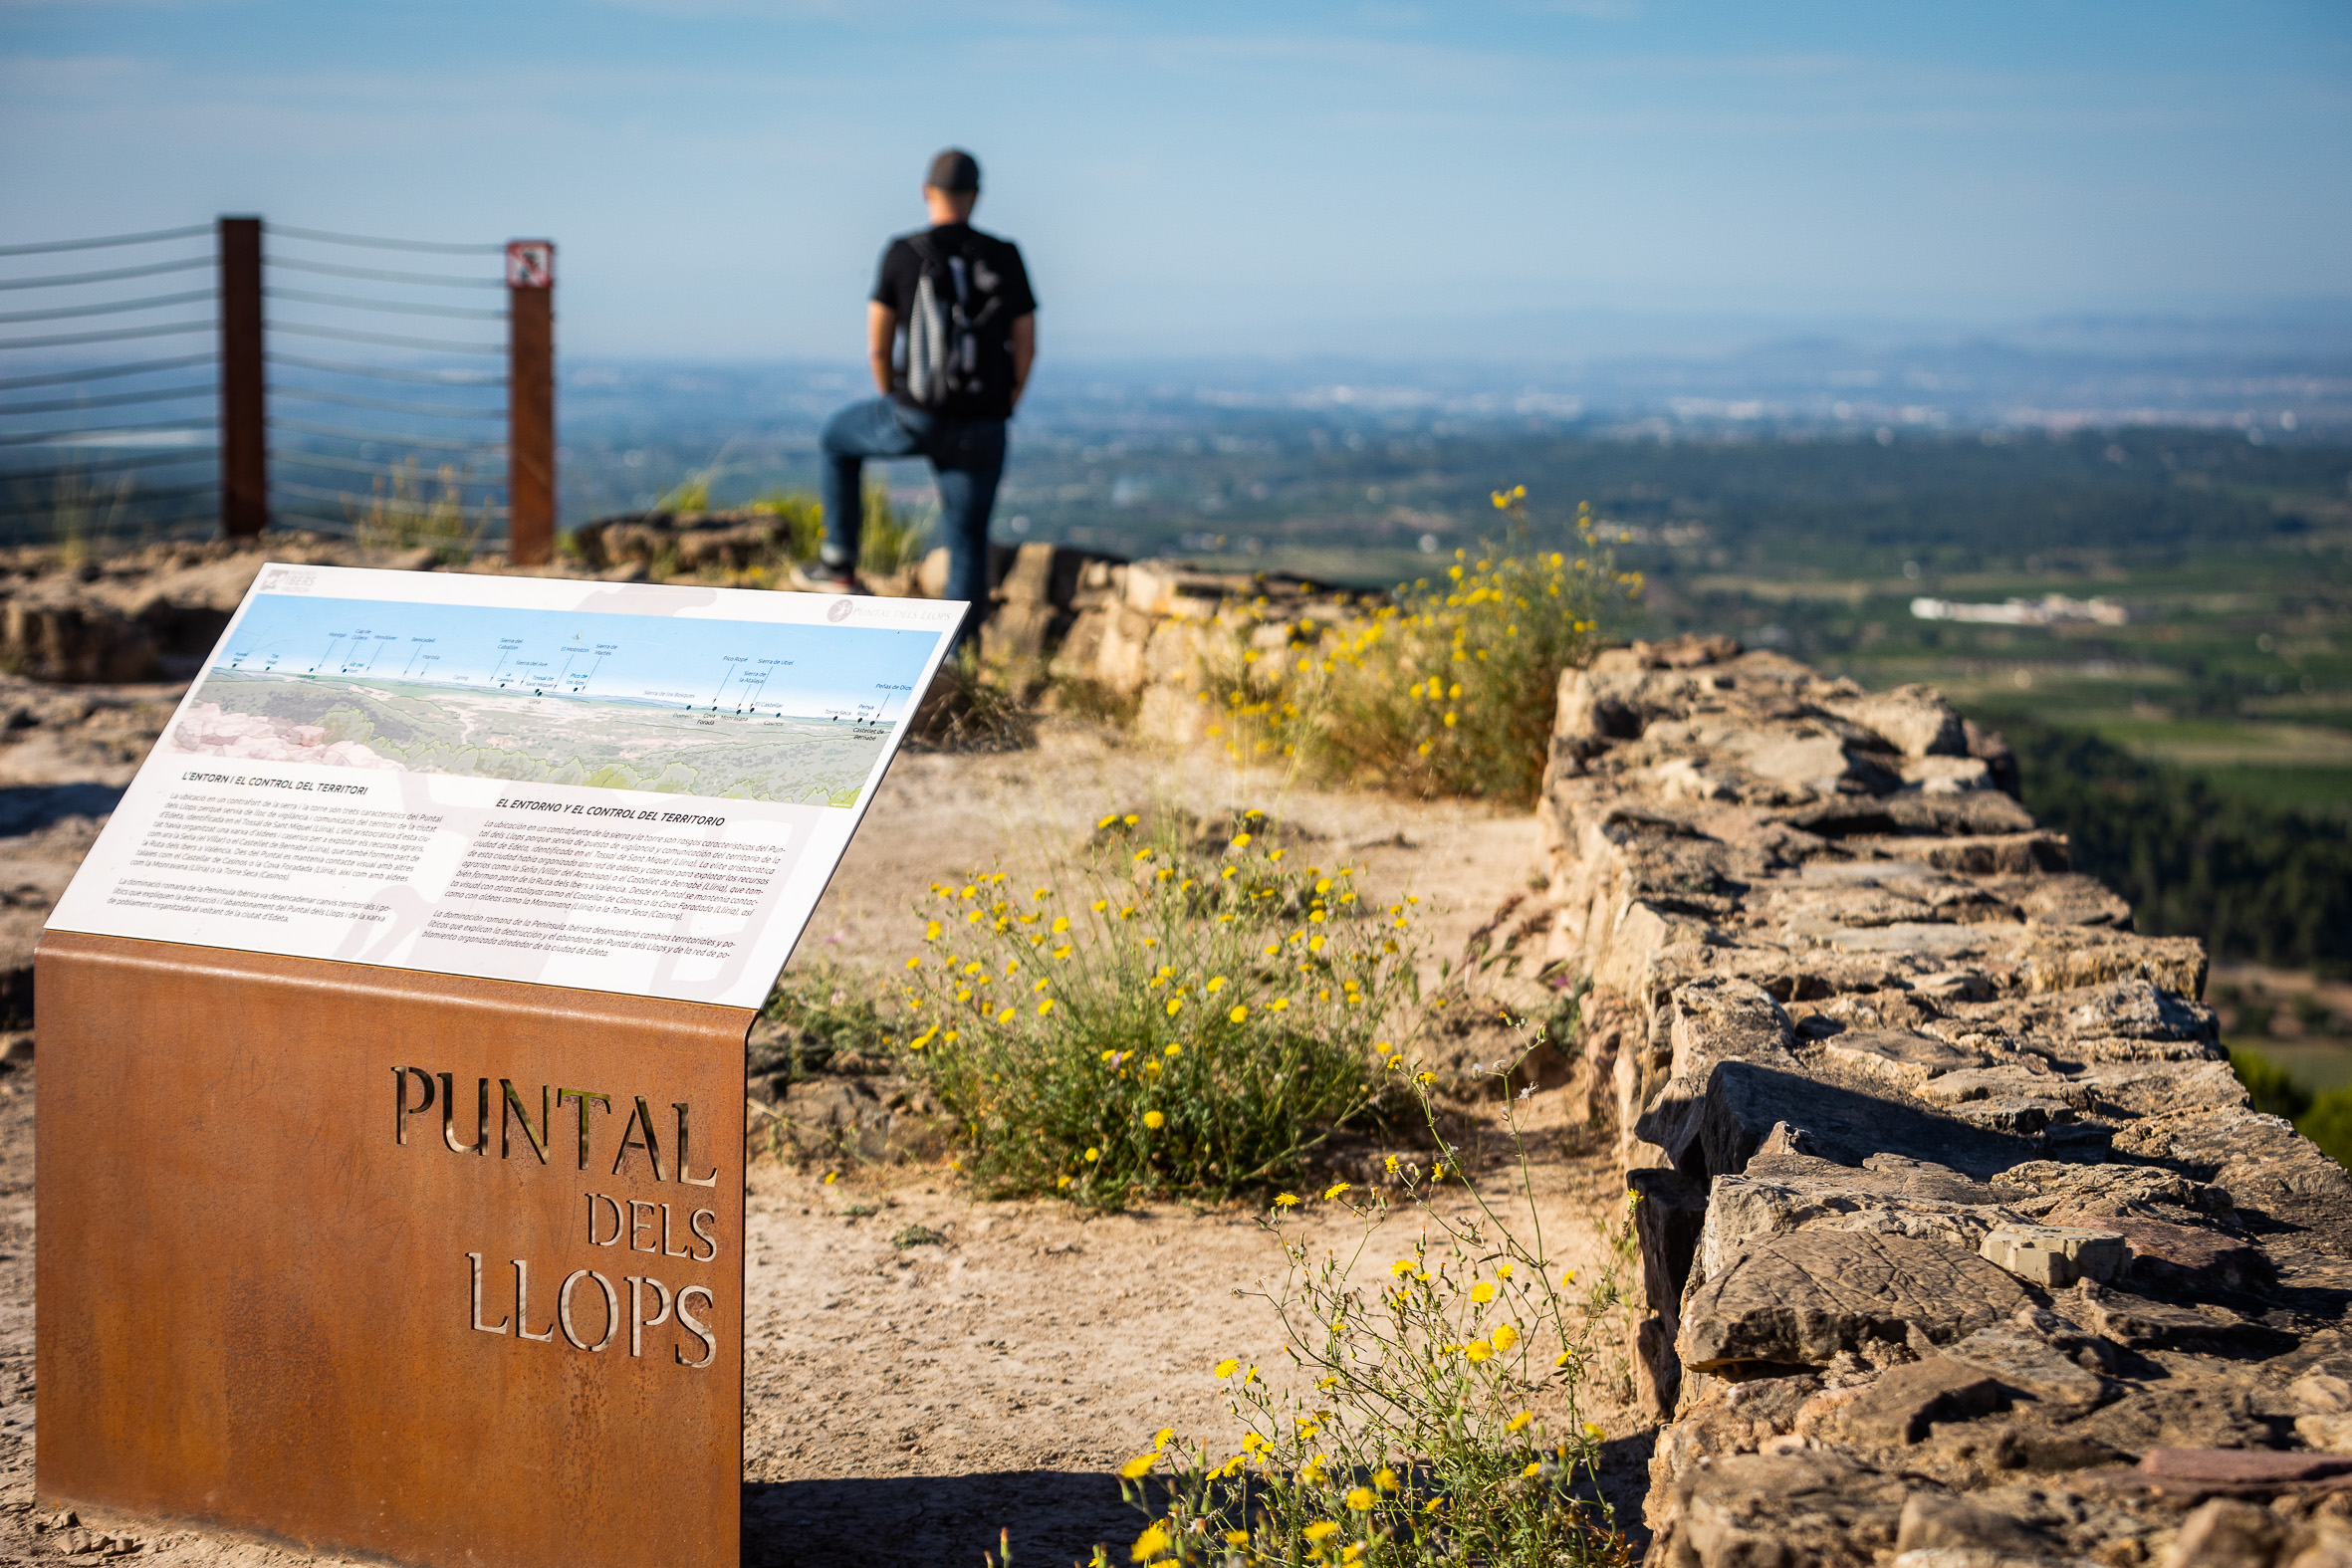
x,y
1960,1245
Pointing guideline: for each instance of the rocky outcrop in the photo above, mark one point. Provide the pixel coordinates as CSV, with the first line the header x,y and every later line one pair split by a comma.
x,y
146,614
1960,1242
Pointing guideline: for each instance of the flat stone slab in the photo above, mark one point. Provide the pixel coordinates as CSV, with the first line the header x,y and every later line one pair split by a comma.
x,y
1918,938
2031,1367
1798,1300
2054,1257
2243,1467
1897,1056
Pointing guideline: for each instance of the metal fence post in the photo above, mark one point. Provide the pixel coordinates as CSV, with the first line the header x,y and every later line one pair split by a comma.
x,y
244,456
531,402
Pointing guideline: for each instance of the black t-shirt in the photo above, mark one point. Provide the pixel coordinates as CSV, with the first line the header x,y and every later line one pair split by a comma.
x,y
996,295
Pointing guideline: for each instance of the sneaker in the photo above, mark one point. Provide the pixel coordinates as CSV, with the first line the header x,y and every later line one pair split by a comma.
x,y
818,578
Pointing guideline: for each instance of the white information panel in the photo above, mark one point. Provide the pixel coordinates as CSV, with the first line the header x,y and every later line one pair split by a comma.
x,y
614,787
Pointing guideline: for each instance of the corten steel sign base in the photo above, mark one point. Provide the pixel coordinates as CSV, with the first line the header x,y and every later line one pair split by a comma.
x,y
443,1270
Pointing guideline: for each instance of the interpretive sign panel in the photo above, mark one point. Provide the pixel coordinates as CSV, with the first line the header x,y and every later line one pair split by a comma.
x,y
612,787
391,1114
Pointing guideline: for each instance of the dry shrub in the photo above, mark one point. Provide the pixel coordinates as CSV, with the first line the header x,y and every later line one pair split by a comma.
x,y
1449,689
404,514
1163,1019
1435,1414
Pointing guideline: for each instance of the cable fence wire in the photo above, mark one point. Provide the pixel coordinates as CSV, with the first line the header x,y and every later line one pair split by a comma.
x,y
63,449
71,460
84,433
391,306
347,433
59,405
153,269
379,275
430,469
384,372
120,335
432,246
392,405
152,237
105,373
104,307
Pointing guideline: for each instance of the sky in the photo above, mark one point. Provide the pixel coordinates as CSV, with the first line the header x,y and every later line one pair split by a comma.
x,y
1227,178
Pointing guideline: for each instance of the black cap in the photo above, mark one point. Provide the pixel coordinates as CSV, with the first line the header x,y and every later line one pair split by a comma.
x,y
954,170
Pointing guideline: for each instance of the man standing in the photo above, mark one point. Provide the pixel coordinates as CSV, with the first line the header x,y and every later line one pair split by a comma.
x,y
951,332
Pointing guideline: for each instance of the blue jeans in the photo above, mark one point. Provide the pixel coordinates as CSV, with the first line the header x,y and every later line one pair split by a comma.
x,y
966,458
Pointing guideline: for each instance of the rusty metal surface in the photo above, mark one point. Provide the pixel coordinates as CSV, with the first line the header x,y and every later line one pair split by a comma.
x,y
256,1303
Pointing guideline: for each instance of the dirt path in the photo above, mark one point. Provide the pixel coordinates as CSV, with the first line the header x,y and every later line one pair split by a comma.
x,y
906,1403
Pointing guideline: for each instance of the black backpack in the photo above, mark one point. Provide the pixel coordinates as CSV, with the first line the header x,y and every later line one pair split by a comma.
x,y
956,297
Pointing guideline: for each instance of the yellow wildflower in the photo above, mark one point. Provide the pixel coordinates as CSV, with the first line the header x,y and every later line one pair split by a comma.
x,y
1504,1336
1093,1154
1285,1200
1154,1120
1483,1293
1061,923
1150,1543
1533,1470
1361,1499
1503,1271
1226,1369
1478,1350
1173,1049
1043,1007
1322,1530
1175,1005
1519,1422
931,932
1239,1013
1334,1190
1216,984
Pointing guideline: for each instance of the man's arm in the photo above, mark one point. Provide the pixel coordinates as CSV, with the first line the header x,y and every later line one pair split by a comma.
x,y
882,334
1025,353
